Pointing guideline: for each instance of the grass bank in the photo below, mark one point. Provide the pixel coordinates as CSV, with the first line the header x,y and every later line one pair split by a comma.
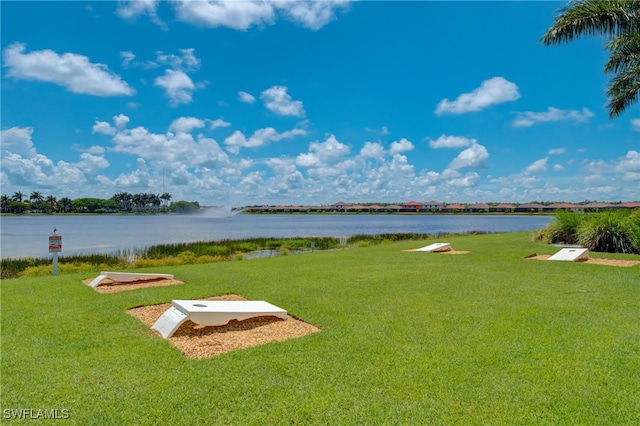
x,y
486,337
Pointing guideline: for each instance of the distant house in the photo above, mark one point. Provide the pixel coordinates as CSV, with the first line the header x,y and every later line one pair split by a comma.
x,y
529,208
340,206
412,206
561,206
594,207
476,208
433,205
629,205
506,208
449,208
358,208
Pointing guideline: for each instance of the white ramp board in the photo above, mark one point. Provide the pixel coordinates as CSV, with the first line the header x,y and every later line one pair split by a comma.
x,y
435,248
212,313
169,322
124,277
571,255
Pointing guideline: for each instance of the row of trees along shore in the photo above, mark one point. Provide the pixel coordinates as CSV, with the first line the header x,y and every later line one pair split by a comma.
x,y
122,202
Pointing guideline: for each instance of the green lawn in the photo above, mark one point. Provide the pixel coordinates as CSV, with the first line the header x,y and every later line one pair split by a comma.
x,y
485,338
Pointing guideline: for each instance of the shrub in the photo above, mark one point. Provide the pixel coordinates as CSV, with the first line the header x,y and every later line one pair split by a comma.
x,y
611,232
564,230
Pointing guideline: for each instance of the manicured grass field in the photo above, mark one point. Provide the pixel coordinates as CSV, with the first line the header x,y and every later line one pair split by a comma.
x,y
484,338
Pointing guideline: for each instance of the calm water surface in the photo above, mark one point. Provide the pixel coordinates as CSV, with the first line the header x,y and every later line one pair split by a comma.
x,y
23,236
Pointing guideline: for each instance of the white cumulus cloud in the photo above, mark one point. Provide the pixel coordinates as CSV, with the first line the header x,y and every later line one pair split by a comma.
x,y
70,70
493,91
278,101
400,146
186,124
18,140
448,141
474,156
259,138
245,97
537,166
528,118
239,15
242,15
178,86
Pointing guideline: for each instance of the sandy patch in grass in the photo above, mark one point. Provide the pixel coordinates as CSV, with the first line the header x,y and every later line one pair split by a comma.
x,y
608,262
199,341
110,286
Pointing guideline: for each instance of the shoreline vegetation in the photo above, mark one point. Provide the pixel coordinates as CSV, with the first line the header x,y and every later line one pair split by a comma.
x,y
197,253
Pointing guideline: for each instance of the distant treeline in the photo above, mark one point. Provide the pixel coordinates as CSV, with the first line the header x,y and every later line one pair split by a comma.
x,y
122,202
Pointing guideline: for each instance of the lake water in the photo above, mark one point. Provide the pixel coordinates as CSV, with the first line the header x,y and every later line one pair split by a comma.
x,y
26,236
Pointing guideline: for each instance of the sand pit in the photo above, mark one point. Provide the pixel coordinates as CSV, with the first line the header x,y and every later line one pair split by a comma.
x,y
199,341
592,261
110,286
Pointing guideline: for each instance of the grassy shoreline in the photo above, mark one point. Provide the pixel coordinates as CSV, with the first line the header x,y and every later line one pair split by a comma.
x,y
487,337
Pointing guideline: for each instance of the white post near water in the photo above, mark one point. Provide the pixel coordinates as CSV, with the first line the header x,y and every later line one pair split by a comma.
x,y
55,246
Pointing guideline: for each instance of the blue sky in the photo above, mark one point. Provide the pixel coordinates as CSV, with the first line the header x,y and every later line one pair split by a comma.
x,y
308,103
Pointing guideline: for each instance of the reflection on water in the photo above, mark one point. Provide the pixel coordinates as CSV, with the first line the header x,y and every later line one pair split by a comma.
x,y
27,236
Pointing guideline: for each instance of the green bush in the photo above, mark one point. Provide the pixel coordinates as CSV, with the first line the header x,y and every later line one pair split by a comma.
x,y
610,232
565,228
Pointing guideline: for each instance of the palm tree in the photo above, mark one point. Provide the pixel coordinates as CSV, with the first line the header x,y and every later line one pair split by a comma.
x,y
65,204
37,199
4,203
166,197
619,22
155,202
53,202
17,196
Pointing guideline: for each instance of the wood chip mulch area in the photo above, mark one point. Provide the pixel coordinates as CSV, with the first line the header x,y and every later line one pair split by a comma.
x,y
608,262
443,252
110,286
199,341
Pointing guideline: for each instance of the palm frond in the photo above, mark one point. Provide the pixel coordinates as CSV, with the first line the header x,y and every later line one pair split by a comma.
x,y
623,90
625,52
592,18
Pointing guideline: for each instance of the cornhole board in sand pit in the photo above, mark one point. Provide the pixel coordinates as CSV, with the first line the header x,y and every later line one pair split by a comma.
x,y
212,312
571,255
436,248
125,277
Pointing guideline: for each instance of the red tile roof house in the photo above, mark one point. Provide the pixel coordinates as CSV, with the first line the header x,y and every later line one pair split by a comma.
x,y
412,206
502,208
561,206
477,208
377,208
358,208
453,208
629,205
597,206
531,207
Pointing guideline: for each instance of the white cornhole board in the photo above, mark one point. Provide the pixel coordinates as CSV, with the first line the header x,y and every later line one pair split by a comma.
x,y
435,248
571,254
124,277
213,312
